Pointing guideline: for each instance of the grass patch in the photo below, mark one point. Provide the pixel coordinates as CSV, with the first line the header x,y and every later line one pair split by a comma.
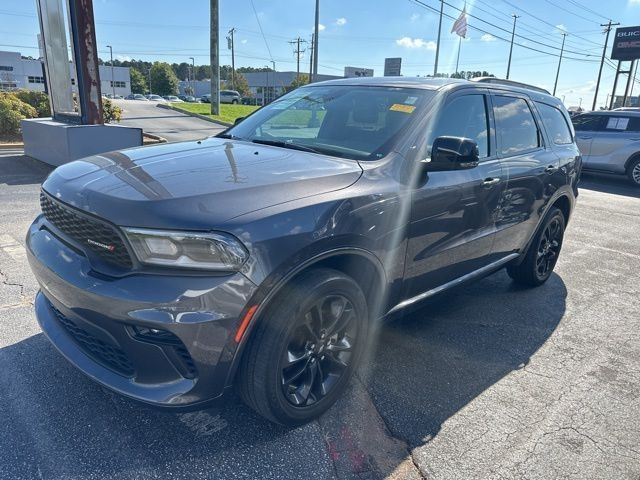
x,y
228,112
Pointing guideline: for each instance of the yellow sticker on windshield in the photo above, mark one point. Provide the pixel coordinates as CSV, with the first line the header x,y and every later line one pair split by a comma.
x,y
398,107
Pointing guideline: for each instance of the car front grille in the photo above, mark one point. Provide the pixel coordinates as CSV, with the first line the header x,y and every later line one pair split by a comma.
x,y
99,238
110,356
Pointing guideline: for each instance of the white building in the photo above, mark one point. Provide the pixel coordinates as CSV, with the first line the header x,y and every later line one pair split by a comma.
x,y
17,72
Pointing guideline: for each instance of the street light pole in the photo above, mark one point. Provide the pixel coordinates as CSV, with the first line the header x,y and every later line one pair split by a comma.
x,y
315,43
113,87
555,85
513,34
435,66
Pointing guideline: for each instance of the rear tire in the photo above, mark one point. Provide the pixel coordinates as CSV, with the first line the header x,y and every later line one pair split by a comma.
x,y
633,172
305,348
543,253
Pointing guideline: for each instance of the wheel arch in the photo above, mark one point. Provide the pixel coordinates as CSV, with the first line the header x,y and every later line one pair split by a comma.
x,y
360,264
632,158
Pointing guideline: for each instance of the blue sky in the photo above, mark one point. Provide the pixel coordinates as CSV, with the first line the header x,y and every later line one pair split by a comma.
x,y
360,33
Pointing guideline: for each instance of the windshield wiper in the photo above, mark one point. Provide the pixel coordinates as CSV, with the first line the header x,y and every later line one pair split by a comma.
x,y
283,144
229,136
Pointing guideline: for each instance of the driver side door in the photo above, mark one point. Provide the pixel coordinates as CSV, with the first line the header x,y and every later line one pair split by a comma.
x,y
453,213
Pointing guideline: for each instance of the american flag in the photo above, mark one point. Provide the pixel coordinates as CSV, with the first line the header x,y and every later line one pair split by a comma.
x,y
460,25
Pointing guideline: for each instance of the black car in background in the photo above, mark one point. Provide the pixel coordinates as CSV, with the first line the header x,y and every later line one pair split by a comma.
x,y
263,258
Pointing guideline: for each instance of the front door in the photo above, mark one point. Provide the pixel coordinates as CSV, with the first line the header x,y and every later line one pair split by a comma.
x,y
453,213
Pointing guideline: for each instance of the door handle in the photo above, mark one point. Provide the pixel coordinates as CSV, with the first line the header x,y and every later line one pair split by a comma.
x,y
584,138
550,169
490,182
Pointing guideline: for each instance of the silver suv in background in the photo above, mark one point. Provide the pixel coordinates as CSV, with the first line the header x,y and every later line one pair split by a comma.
x,y
610,142
226,96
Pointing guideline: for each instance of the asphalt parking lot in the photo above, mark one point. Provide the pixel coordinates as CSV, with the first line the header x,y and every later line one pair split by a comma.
x,y
488,381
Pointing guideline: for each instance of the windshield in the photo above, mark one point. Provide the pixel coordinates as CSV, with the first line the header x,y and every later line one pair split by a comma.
x,y
361,123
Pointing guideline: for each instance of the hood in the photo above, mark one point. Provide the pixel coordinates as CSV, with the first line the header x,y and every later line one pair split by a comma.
x,y
195,185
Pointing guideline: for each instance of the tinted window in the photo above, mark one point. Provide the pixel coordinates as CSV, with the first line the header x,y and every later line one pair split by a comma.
x,y
555,123
586,123
345,121
465,117
622,124
634,124
516,128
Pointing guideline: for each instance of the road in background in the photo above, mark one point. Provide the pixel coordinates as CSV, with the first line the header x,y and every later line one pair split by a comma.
x,y
489,381
169,124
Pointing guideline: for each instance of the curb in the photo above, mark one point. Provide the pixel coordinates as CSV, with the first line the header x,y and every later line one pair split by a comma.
x,y
197,115
157,138
11,146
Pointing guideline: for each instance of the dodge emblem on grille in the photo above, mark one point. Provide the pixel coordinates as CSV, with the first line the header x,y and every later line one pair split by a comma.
x,y
110,248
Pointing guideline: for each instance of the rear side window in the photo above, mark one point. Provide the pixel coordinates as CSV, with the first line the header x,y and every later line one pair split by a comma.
x,y
515,126
634,124
466,117
555,123
586,123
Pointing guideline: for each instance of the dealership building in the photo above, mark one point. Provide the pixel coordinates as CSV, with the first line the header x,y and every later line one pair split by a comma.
x,y
18,72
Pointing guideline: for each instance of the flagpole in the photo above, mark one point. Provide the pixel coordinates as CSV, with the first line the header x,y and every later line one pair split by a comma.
x,y
435,67
459,48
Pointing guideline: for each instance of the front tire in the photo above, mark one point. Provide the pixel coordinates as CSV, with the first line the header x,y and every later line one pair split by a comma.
x,y
305,348
633,172
543,253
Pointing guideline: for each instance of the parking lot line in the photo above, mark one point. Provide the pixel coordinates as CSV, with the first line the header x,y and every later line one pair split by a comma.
x,y
12,248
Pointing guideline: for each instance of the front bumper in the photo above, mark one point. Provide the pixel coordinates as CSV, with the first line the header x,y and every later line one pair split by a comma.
x,y
166,340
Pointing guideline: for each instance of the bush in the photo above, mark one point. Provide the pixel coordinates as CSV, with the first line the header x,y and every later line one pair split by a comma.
x,y
38,100
111,113
12,111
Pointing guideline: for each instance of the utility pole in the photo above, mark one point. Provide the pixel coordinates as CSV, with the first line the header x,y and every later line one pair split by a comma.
x,y
215,60
231,46
297,52
311,57
513,34
149,73
555,85
435,66
113,84
316,41
604,52
192,77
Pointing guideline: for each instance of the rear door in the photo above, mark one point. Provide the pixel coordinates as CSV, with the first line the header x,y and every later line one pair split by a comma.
x,y
530,166
453,213
616,134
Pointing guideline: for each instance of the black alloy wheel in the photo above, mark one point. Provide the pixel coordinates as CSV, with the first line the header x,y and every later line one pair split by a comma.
x,y
540,259
319,350
549,247
305,347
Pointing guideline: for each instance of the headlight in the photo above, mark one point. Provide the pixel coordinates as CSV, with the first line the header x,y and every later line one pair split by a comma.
x,y
207,251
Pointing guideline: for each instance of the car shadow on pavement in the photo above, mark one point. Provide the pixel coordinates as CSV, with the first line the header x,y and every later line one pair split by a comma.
x,y
614,184
431,363
22,170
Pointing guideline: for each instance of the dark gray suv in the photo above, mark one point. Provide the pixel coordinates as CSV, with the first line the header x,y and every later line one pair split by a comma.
x,y
263,258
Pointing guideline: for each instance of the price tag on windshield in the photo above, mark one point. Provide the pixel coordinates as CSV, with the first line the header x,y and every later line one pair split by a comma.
x,y
398,107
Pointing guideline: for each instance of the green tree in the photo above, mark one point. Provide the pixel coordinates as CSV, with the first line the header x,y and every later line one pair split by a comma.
x,y
241,85
138,81
302,79
163,79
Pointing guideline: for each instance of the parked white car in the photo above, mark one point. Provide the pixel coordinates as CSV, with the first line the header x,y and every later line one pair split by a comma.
x,y
609,142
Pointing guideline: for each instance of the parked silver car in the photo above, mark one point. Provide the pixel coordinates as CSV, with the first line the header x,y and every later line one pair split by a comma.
x,y
610,142
230,96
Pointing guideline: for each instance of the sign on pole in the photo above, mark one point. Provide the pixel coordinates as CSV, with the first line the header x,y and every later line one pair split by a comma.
x,y
392,67
626,44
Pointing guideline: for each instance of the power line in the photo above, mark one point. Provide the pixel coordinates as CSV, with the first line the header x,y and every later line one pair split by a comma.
x,y
261,31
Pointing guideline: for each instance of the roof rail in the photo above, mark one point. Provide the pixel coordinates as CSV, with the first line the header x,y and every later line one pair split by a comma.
x,y
500,81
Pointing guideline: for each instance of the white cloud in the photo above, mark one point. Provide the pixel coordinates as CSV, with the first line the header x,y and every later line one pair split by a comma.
x,y
321,27
416,16
123,58
487,37
341,21
561,28
408,42
244,41
634,2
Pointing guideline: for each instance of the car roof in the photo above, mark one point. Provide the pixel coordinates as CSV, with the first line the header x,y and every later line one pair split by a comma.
x,y
428,83
613,113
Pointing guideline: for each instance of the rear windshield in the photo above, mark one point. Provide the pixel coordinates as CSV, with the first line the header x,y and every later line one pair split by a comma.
x,y
361,123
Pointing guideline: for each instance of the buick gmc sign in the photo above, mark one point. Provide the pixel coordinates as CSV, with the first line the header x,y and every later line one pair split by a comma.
x,y
626,45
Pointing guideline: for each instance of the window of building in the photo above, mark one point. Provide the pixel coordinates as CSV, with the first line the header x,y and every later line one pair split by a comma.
x,y
515,125
36,79
555,123
6,68
117,84
7,85
466,117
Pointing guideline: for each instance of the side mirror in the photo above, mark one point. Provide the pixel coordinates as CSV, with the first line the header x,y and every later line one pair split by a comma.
x,y
453,153
238,120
